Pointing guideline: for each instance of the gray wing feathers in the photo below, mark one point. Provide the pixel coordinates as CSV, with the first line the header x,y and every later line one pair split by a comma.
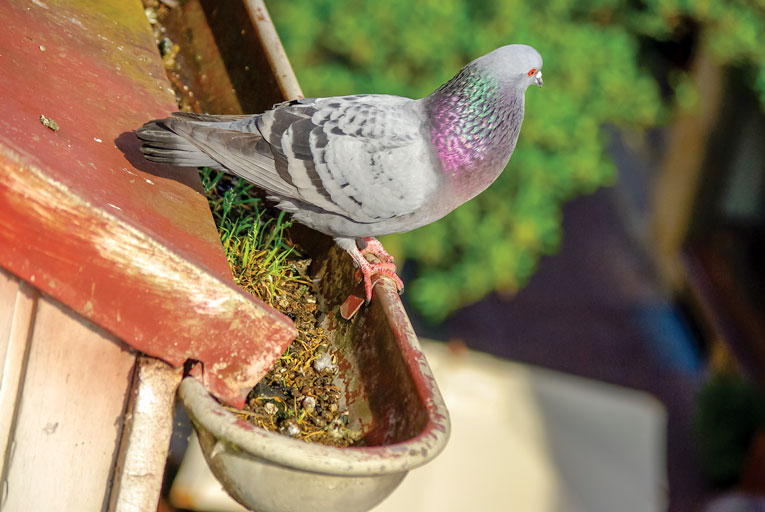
x,y
230,143
359,156
366,158
238,153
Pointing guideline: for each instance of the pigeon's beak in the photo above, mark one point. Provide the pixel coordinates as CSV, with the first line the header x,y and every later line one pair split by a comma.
x,y
538,78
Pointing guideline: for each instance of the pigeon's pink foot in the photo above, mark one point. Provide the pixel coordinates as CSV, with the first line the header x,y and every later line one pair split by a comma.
x,y
370,272
374,247
381,264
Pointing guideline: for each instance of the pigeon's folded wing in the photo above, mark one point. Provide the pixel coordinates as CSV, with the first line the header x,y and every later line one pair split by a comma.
x,y
365,157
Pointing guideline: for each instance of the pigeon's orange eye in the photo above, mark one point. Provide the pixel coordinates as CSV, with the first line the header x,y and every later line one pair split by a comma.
x,y
532,71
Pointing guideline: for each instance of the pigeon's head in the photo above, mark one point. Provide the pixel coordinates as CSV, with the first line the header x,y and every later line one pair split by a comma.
x,y
515,65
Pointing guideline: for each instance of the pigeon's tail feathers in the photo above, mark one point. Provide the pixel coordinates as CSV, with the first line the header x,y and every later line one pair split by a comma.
x,y
160,144
229,143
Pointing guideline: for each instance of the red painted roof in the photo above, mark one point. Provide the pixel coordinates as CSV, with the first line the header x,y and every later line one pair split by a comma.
x,y
129,245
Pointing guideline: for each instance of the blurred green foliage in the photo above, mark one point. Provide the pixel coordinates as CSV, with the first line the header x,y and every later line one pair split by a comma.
x,y
592,77
733,32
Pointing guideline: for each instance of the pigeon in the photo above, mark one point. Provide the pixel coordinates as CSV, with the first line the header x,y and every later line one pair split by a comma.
x,y
360,166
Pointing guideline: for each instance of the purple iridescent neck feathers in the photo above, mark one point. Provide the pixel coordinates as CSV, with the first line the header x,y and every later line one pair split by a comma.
x,y
475,118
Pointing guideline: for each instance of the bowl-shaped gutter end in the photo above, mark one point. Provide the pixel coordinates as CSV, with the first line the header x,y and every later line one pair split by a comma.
x,y
269,472
264,486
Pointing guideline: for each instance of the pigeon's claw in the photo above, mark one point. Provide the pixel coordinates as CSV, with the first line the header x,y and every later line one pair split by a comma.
x,y
369,270
373,263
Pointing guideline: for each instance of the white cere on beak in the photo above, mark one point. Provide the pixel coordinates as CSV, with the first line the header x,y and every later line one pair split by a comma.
x,y
538,78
